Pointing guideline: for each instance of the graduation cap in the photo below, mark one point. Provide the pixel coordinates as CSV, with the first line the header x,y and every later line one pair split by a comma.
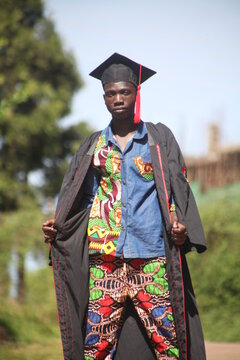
x,y
120,68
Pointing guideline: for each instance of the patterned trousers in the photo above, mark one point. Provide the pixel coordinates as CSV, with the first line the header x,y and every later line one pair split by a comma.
x,y
111,281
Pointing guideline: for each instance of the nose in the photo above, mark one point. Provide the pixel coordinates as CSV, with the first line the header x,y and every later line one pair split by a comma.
x,y
118,99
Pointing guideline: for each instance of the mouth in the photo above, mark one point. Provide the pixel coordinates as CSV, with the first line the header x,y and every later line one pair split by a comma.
x,y
120,109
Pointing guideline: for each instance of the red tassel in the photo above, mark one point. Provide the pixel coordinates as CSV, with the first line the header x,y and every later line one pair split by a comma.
x,y
137,106
137,116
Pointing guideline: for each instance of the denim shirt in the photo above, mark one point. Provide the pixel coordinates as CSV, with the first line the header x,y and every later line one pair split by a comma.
x,y
140,228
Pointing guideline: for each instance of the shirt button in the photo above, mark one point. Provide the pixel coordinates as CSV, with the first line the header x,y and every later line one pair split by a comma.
x,y
123,228
123,161
123,204
124,182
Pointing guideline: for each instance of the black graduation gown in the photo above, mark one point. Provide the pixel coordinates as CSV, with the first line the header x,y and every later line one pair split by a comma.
x,y
69,254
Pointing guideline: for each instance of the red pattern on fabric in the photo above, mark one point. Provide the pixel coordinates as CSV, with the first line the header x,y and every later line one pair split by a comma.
x,y
103,345
144,300
157,338
106,311
109,267
161,347
101,355
137,262
143,297
136,279
106,302
107,258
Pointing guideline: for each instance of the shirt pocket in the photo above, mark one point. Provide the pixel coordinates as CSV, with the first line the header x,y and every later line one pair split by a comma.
x,y
143,166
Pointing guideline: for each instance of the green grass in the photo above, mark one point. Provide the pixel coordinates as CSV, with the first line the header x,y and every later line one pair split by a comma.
x,y
215,277
215,274
48,349
33,325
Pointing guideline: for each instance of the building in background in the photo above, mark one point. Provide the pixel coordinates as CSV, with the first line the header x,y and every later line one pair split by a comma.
x,y
220,167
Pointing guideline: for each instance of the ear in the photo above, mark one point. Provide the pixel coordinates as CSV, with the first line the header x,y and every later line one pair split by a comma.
x,y
104,98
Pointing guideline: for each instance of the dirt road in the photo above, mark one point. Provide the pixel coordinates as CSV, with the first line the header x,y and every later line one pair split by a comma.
x,y
222,351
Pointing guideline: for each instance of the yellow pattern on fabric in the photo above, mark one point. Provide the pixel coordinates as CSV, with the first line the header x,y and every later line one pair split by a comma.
x,y
95,245
101,232
109,248
95,209
118,216
97,229
100,143
115,161
144,168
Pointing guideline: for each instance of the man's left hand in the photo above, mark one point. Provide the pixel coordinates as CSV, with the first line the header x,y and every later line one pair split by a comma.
x,y
179,232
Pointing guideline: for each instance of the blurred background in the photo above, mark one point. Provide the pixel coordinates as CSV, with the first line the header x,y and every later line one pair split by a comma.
x,y
48,104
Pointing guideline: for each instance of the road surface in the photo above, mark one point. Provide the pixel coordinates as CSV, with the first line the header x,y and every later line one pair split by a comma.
x,y
222,351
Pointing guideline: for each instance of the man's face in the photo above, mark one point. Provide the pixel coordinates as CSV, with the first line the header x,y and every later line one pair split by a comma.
x,y
120,99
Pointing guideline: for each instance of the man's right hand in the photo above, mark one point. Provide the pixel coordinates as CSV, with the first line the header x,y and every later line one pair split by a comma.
x,y
49,231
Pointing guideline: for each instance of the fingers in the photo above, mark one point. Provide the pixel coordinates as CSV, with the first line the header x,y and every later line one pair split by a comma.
x,y
175,224
173,217
49,231
179,233
49,223
180,240
48,239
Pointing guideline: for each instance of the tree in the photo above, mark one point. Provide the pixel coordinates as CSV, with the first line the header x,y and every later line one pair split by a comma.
x,y
56,165
37,81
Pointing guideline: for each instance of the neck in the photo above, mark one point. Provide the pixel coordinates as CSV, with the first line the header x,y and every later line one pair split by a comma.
x,y
123,127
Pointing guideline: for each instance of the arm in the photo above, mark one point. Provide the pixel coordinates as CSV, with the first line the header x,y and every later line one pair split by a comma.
x,y
186,208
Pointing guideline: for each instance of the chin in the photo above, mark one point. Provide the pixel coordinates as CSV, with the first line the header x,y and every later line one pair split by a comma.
x,y
122,117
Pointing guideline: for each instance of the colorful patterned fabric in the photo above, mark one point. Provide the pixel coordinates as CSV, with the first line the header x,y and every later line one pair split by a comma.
x,y
105,216
145,282
144,168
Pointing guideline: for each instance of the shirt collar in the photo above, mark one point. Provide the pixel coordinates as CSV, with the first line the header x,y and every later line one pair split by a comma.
x,y
141,131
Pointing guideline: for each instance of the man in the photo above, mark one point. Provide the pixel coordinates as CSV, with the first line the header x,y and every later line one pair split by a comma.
x,y
125,218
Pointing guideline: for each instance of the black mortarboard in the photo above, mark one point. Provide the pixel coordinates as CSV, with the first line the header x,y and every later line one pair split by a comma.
x,y
120,68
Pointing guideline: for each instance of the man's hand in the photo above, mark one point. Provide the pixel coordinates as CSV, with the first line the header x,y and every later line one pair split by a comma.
x,y
49,231
179,231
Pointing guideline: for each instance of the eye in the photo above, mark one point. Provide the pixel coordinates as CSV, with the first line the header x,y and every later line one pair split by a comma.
x,y
125,92
109,94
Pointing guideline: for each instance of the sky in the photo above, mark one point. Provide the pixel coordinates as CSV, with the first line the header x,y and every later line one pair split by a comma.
x,y
192,44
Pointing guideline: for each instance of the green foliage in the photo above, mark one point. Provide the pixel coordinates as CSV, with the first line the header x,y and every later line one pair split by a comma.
x,y
56,165
36,318
22,227
20,232
37,81
215,274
